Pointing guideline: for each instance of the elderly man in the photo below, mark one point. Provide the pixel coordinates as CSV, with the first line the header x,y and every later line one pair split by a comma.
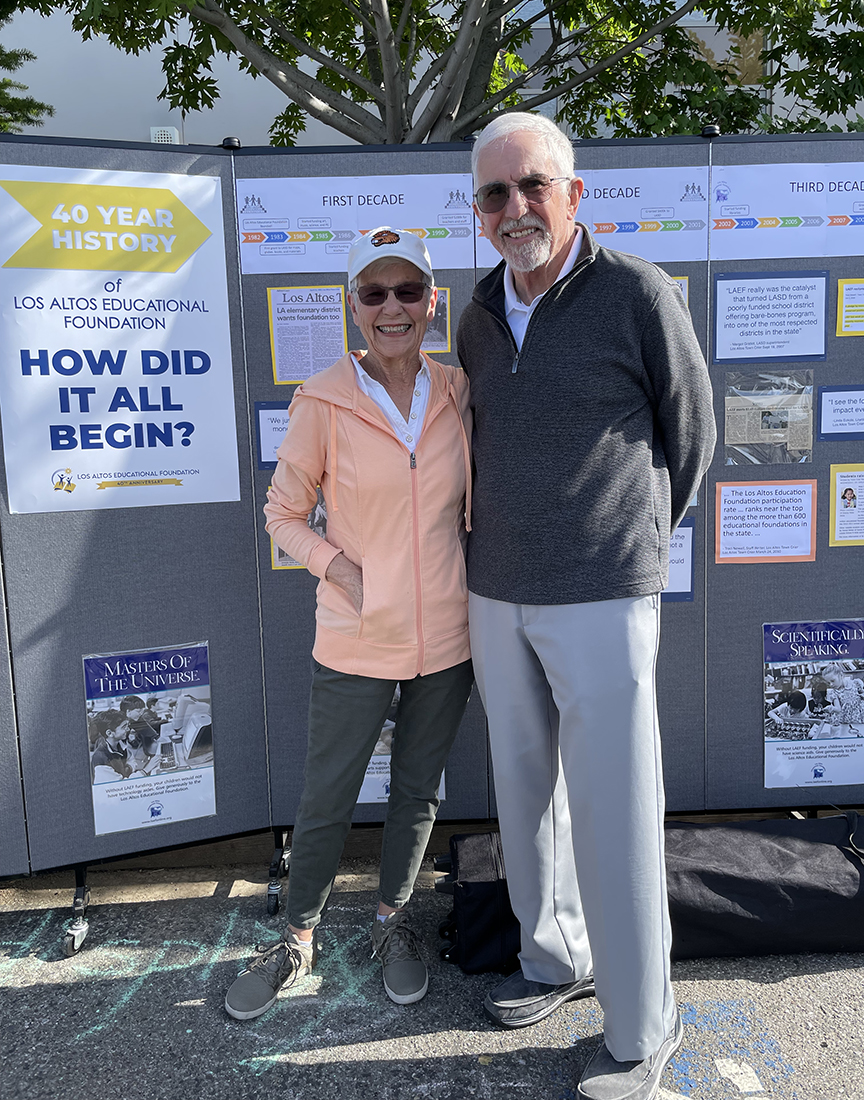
x,y
592,408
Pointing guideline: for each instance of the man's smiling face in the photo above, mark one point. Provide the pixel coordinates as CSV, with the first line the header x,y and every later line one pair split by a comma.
x,y
527,236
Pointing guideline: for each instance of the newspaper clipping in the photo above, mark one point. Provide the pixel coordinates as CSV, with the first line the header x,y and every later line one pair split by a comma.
x,y
769,417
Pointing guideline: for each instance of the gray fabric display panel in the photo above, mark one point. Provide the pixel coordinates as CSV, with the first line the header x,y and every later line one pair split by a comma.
x,y
125,580
13,851
288,595
786,177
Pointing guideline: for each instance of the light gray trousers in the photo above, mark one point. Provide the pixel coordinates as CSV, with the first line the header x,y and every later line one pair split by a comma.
x,y
569,695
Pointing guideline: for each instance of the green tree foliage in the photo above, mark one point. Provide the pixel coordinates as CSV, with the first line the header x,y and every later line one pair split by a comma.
x,y
390,71
16,110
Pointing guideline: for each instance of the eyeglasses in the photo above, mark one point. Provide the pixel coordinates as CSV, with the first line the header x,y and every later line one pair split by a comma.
x,y
407,293
535,189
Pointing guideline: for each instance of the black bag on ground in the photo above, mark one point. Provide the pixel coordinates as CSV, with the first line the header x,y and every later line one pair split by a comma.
x,y
776,887
482,931
766,887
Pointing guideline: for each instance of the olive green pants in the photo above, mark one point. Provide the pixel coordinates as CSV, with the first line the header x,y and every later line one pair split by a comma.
x,y
346,714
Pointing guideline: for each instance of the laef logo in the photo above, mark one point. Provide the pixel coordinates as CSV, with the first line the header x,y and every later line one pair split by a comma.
x,y
62,480
155,809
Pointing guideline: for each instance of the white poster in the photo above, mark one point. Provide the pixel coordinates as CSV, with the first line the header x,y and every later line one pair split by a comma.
x,y
841,412
769,317
765,521
771,211
117,388
680,586
303,224
660,214
307,330
150,735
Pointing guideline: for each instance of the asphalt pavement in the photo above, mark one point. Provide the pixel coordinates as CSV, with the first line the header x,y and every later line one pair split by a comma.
x,y
138,1012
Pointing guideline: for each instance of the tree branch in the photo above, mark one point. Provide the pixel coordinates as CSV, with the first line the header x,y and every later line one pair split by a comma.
x,y
403,19
392,71
320,101
358,13
463,50
485,111
326,60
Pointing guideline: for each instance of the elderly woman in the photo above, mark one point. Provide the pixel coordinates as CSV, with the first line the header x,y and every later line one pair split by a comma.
x,y
384,432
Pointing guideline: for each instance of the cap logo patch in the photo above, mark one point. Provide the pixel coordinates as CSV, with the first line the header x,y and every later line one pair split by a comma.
x,y
386,236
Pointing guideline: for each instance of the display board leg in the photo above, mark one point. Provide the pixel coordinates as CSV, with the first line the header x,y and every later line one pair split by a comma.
x,y
77,931
279,864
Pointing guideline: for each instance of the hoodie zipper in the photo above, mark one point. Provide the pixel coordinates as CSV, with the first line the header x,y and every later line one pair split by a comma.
x,y
418,588
531,324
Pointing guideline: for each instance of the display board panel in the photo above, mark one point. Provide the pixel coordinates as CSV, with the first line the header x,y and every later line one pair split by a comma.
x,y
814,243
139,575
288,594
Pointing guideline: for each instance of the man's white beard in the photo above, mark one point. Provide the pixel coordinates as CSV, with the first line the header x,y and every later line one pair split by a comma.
x,y
534,252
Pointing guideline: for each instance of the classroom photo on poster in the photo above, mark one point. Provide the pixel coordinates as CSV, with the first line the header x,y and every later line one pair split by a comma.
x,y
150,736
117,389
814,703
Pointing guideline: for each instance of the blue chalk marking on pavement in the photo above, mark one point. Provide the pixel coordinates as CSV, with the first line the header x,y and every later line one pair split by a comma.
x,y
223,942
156,965
335,961
728,1029
22,948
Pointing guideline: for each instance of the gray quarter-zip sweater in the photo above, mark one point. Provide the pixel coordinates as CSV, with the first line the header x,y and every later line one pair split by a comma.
x,y
589,444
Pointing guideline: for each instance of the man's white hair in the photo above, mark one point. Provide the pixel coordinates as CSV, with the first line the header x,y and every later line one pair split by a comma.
x,y
558,147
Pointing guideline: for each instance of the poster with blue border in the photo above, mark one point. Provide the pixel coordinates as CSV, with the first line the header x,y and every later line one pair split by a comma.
x,y
150,736
814,703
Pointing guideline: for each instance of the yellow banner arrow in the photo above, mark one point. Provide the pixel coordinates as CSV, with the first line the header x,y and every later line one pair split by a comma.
x,y
88,227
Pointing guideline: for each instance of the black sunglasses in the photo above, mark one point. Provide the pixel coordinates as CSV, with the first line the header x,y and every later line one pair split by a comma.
x,y
375,295
535,189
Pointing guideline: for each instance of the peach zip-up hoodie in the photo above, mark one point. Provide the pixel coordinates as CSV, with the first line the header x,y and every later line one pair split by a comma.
x,y
400,516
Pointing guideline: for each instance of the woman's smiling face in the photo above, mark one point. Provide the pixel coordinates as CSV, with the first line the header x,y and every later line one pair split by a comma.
x,y
393,330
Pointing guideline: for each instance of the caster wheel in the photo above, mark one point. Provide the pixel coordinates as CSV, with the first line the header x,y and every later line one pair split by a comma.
x,y
448,954
447,929
73,940
272,905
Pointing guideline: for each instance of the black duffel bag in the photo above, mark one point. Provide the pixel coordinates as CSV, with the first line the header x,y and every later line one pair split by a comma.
x,y
773,887
776,887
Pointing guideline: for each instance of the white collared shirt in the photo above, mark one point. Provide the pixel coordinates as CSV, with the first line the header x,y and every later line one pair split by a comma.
x,y
518,314
407,430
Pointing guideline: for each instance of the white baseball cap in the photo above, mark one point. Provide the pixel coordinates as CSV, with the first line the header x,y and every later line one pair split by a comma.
x,y
385,243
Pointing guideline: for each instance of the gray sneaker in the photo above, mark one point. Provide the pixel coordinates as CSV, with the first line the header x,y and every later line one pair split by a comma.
x,y
605,1078
519,1002
282,963
397,945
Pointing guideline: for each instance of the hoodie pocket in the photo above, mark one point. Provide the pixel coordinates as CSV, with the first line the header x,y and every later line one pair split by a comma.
x,y
335,611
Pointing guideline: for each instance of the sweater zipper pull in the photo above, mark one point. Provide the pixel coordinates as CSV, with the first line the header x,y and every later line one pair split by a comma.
x,y
515,366
413,461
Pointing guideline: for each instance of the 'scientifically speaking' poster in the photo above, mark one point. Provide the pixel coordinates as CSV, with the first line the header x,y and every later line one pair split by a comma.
x,y
814,703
